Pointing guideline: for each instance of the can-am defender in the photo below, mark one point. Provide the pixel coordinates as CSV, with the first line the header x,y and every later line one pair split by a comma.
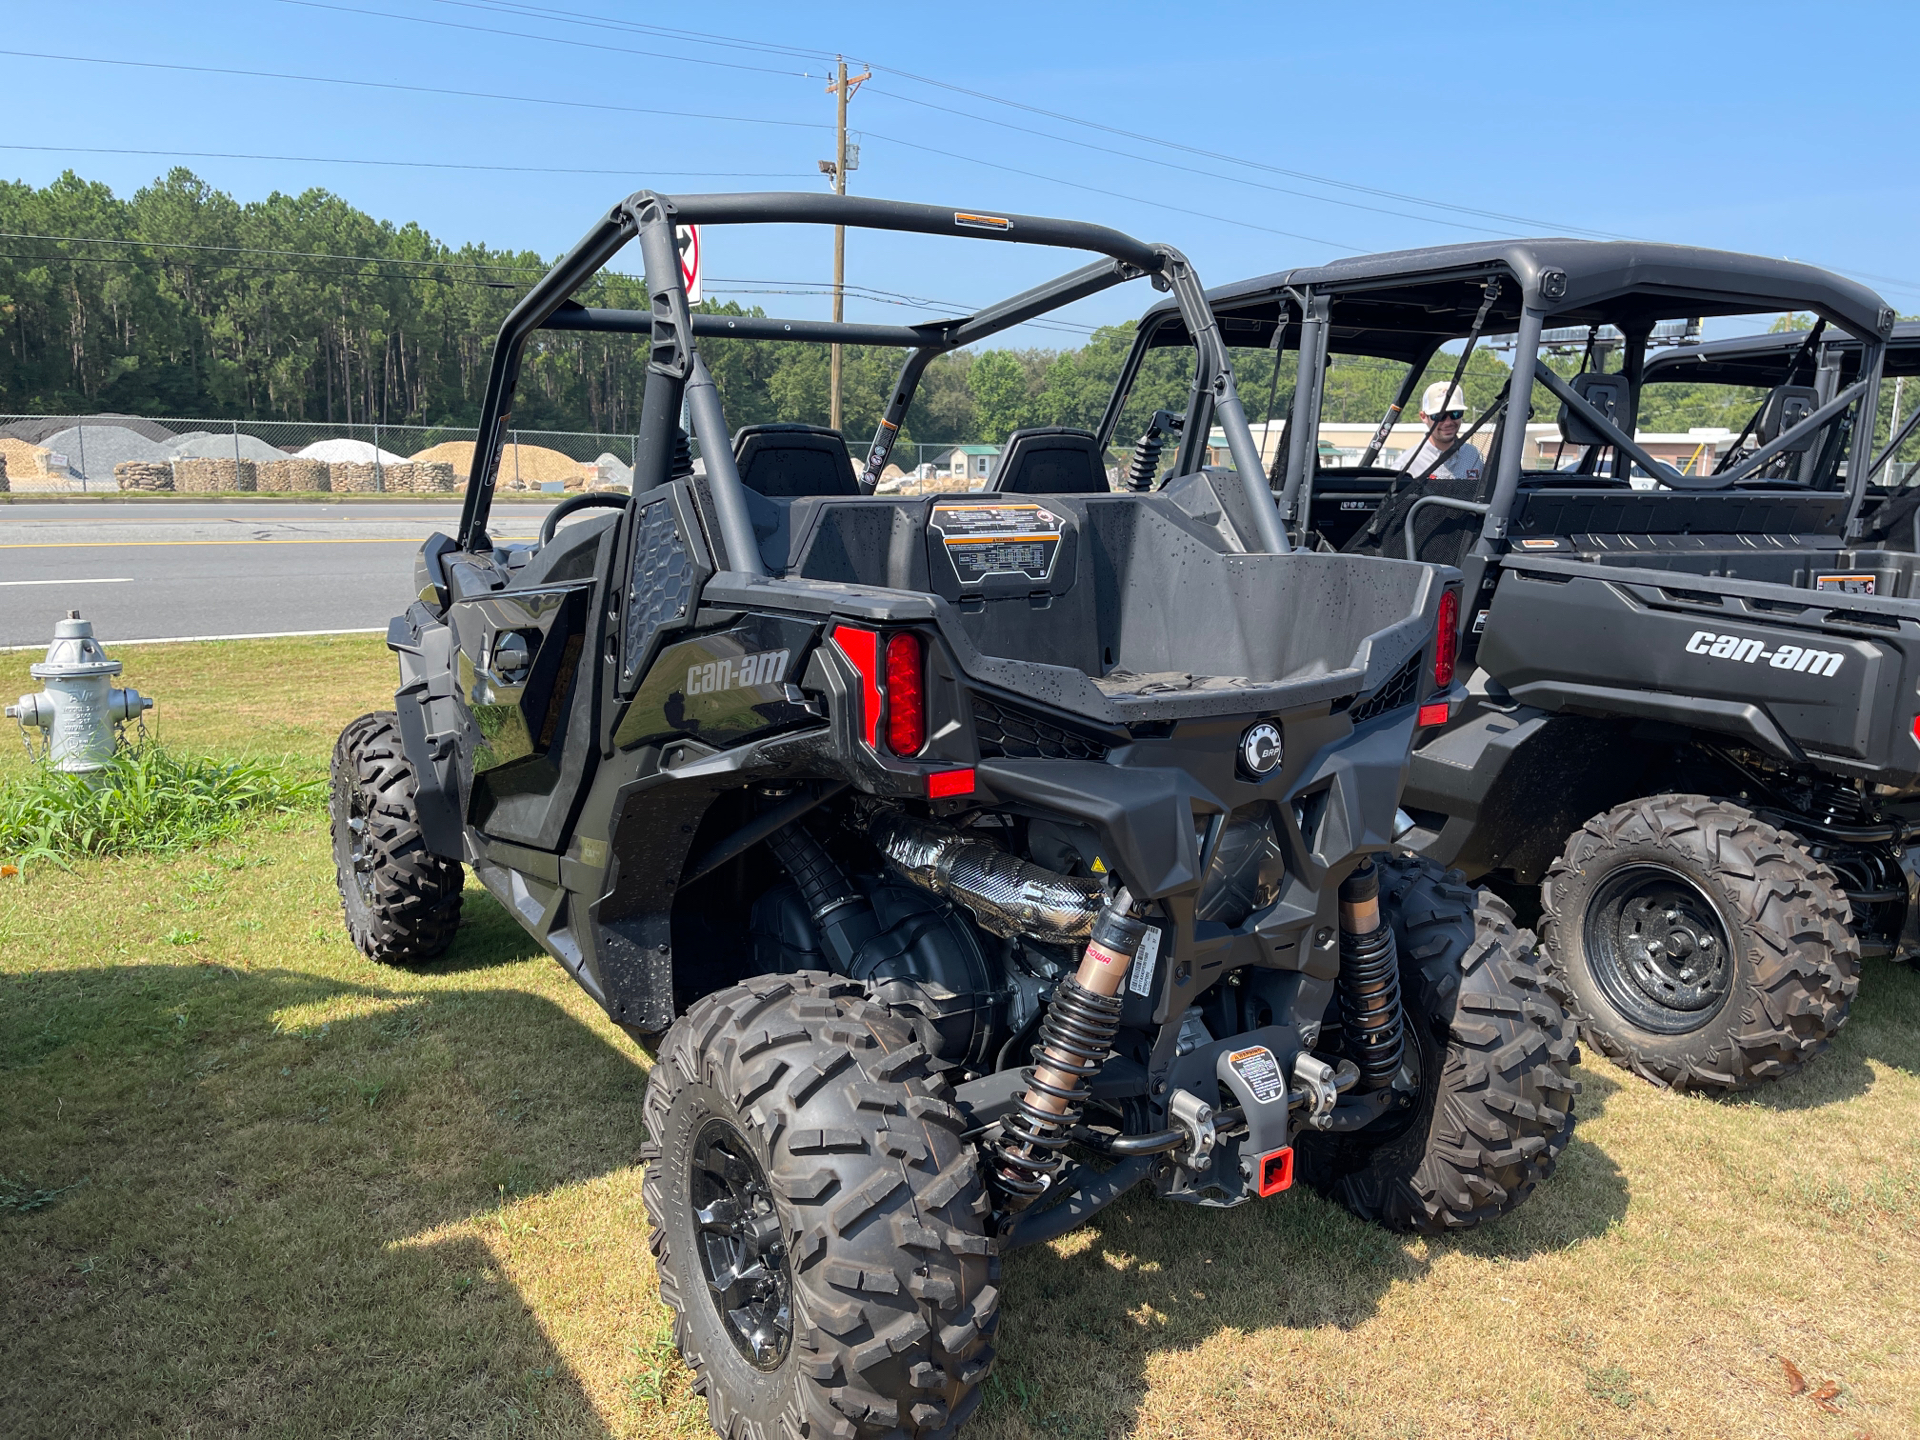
x,y
1679,708
843,804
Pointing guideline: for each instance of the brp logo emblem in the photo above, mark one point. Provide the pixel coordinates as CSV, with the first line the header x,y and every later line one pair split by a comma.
x,y
1260,749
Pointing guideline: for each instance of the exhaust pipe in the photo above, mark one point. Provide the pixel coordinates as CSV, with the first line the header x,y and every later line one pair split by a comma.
x,y
1009,896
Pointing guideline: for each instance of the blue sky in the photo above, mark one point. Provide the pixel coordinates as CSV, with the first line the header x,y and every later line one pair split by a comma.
x,y
1740,126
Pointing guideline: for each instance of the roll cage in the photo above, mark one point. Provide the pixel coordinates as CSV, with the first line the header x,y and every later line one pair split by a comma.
x,y
676,373
1764,361
1405,305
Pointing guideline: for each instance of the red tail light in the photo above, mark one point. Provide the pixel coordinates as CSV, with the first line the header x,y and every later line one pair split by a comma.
x,y
1446,639
906,694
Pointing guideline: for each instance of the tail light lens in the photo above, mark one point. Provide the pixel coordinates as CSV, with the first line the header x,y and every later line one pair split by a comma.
x,y
1446,639
906,694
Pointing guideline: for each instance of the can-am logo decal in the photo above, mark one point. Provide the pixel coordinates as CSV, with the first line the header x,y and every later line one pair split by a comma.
x,y
762,668
1260,749
1788,657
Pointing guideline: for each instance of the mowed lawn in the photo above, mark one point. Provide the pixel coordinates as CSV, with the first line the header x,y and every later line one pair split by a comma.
x,y
255,1184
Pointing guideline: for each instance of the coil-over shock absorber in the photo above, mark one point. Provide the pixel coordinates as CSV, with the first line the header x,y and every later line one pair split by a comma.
x,y
1145,465
1081,1020
1371,1014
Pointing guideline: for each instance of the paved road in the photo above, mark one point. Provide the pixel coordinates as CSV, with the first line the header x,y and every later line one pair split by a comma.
x,y
162,572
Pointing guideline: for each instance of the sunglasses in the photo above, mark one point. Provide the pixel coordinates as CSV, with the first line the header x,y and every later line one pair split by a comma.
x,y
1451,415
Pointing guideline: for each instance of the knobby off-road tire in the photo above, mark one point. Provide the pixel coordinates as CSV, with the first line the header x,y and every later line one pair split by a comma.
x,y
853,1201
1763,998
1495,1049
402,901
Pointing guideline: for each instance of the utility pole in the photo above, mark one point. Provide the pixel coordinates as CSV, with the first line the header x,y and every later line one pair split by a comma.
x,y
842,89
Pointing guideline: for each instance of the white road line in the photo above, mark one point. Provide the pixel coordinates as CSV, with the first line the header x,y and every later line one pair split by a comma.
x,y
194,639
109,580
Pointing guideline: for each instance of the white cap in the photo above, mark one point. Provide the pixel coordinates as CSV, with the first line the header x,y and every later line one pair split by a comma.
x,y
1434,400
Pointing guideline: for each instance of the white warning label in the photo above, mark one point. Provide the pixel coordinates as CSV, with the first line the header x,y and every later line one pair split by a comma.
x,y
1261,1071
1140,977
1002,539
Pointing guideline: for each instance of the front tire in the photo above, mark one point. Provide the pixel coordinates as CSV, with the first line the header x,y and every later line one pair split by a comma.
x,y
1494,1107
819,1225
1698,945
402,902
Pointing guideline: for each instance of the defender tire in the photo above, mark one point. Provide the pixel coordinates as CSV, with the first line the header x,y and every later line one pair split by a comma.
x,y
853,1198
1644,889
1496,1053
402,902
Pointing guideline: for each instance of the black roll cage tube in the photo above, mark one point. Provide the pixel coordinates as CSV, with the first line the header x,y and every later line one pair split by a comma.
x,y
1315,308
675,371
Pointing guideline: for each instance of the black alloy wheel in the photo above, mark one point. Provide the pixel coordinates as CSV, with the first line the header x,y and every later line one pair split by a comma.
x,y
1659,948
1698,945
742,1255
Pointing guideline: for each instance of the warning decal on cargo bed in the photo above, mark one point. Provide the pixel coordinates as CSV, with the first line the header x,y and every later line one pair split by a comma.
x,y
1002,539
1847,584
1261,1071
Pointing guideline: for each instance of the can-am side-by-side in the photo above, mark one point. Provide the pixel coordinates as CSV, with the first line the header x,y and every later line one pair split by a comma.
x,y
964,860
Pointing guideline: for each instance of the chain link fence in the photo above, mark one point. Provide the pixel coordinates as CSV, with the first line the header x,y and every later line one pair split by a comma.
x,y
108,453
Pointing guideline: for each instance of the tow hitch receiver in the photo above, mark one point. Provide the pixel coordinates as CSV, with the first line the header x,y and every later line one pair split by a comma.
x,y
1275,1171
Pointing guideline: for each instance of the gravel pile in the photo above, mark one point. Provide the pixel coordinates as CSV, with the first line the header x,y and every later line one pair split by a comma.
x,y
143,475
24,461
357,452
36,432
613,471
212,445
293,477
99,450
207,476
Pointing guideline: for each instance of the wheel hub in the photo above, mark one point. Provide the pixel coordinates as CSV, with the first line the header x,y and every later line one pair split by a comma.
x,y
1659,948
743,1253
359,846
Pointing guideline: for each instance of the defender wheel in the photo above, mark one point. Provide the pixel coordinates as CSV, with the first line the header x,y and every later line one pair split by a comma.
x,y
1698,945
819,1226
402,901
1495,1052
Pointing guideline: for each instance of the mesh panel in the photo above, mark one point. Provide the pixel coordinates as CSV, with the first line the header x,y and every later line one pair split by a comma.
x,y
1402,687
662,591
1007,733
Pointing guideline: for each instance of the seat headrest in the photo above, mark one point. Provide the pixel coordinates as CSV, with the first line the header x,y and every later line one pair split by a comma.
x,y
1051,460
786,461
1609,394
1786,407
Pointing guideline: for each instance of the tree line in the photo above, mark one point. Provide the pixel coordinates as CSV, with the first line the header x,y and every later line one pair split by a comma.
x,y
181,300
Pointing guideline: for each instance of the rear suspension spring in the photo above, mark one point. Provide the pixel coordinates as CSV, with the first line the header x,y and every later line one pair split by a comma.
x,y
1145,465
1373,1019
1075,1038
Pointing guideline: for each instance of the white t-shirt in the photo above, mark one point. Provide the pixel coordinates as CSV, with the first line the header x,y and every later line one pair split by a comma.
x,y
1466,463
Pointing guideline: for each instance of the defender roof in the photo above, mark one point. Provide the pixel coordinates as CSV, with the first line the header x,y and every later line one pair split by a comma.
x,y
1762,360
1396,304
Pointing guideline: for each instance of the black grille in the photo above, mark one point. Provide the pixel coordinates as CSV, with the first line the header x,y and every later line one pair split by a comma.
x,y
663,583
1005,733
1401,689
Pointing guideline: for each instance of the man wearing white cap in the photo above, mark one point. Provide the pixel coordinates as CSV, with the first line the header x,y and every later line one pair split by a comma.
x,y
1442,408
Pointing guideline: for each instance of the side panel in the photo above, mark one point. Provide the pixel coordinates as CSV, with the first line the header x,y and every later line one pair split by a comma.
x,y
1586,644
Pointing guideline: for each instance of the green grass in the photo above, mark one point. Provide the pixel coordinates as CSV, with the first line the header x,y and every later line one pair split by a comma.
x,y
145,800
250,1183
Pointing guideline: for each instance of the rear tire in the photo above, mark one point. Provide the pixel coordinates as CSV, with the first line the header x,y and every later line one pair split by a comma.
x,y
402,901
859,1216
1698,945
1496,1053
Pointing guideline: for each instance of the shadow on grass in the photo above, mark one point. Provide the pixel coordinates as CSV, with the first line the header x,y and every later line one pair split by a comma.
x,y
1080,1331
249,1153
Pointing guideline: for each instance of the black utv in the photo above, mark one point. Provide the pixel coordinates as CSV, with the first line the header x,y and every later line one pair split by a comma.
x,y
1688,717
962,860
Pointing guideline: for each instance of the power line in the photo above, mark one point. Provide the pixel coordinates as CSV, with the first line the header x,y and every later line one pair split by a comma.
x,y
418,89
401,164
698,37
546,39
